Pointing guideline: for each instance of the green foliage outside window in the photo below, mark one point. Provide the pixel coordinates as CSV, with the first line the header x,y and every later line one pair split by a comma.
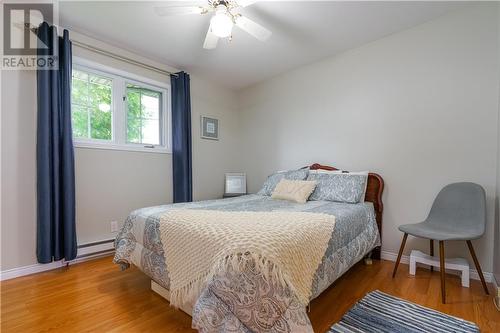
x,y
134,112
91,106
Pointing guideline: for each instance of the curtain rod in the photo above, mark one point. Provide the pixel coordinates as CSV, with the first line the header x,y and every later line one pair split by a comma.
x,y
121,58
110,54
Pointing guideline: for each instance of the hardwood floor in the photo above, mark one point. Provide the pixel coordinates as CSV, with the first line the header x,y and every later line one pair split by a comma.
x,y
96,296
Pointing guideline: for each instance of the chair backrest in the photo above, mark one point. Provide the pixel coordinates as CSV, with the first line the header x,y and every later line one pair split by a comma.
x,y
461,205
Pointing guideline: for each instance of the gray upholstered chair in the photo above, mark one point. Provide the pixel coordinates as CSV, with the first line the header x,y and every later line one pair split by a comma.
x,y
458,213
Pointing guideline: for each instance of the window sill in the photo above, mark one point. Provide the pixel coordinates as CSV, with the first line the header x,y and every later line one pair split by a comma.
x,y
111,146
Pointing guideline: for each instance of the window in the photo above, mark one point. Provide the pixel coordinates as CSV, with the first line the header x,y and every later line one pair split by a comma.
x,y
143,115
91,106
111,109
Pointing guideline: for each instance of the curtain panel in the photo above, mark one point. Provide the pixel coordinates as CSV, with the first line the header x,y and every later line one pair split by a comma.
x,y
181,138
56,231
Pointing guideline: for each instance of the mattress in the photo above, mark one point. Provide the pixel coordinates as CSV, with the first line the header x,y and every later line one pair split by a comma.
x,y
247,302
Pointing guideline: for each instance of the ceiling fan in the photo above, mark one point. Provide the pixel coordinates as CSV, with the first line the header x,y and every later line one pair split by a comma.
x,y
222,21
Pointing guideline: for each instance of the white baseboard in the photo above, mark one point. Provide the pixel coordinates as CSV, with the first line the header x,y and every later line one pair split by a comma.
x,y
30,269
496,285
85,253
391,256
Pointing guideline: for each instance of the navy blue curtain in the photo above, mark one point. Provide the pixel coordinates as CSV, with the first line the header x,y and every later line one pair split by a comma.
x,y
181,138
56,232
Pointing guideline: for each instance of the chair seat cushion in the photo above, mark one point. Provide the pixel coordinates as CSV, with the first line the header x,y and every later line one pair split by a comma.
x,y
438,231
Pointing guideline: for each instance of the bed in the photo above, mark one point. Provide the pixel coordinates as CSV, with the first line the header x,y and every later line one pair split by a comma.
x,y
246,301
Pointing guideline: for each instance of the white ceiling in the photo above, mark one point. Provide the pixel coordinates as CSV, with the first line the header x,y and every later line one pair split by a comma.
x,y
303,32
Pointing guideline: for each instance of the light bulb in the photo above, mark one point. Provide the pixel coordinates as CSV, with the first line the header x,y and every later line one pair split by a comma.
x,y
221,24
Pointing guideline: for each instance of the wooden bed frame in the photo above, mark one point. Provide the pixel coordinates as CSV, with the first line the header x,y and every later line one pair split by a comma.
x,y
373,194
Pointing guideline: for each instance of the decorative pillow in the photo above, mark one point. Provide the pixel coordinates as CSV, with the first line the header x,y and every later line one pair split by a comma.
x,y
294,190
275,178
341,187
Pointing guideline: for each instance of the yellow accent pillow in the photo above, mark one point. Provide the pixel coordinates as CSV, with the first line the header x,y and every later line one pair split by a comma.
x,y
294,190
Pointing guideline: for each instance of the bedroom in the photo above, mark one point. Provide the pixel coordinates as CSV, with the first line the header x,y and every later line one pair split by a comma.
x,y
408,91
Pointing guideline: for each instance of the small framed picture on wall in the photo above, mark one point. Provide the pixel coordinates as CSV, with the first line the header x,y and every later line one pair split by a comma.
x,y
209,128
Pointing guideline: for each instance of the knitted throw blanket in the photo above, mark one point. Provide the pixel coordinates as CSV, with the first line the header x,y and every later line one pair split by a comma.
x,y
286,247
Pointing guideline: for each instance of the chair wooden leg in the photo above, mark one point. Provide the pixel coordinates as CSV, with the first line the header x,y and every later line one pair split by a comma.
x,y
431,243
442,271
403,242
478,267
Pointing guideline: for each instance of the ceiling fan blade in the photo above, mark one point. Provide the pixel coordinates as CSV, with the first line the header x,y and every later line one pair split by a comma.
x,y
179,10
253,28
210,40
246,3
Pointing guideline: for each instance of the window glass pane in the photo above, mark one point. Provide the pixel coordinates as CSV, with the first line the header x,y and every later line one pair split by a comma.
x,y
151,106
79,116
80,75
134,130
79,92
134,103
99,80
100,124
150,132
100,95
143,115
91,97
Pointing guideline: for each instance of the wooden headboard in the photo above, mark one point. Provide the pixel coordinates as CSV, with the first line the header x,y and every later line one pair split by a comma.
x,y
373,194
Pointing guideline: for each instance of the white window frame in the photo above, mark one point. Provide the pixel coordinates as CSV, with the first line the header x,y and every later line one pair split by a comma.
x,y
119,110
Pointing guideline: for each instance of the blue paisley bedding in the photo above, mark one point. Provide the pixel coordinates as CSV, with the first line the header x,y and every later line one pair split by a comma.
x,y
245,302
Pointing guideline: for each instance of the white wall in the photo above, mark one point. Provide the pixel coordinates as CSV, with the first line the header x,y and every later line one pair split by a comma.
x,y
109,184
212,159
419,107
18,168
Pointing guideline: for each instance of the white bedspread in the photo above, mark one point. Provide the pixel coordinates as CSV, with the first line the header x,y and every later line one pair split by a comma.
x,y
286,247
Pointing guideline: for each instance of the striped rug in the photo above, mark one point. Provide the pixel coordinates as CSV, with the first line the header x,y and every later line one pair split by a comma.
x,y
379,312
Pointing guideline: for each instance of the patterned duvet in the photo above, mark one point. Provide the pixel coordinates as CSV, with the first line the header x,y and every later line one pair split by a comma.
x,y
245,302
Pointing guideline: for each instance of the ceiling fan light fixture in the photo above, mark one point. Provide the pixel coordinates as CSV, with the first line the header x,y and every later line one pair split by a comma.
x,y
221,23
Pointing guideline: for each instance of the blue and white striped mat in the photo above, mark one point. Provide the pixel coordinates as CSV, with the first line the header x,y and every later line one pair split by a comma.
x,y
379,312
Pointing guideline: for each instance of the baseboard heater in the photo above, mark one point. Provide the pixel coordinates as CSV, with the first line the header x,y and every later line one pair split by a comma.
x,y
95,249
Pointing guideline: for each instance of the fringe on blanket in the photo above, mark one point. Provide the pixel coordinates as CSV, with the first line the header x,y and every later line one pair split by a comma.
x,y
238,263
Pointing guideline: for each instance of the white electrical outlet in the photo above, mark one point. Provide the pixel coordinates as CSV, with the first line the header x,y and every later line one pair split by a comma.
x,y
114,226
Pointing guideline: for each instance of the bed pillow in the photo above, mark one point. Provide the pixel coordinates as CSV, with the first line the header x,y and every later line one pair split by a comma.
x,y
366,184
294,190
341,187
275,178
